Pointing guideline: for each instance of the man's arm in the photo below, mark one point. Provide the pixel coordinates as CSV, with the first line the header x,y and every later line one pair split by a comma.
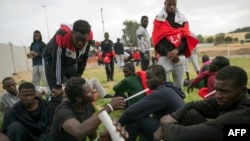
x,y
203,131
207,131
52,57
207,108
121,86
200,77
9,117
42,46
78,130
3,108
82,64
152,103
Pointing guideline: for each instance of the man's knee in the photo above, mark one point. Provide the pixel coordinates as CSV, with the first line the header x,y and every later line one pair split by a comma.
x,y
15,127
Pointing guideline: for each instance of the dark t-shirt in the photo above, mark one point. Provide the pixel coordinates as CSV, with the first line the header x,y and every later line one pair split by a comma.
x,y
64,112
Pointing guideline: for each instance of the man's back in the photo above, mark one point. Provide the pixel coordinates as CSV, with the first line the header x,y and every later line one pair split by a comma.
x,y
130,85
118,47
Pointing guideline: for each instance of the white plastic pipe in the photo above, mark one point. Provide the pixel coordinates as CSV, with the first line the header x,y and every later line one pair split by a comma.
x,y
211,93
106,120
137,94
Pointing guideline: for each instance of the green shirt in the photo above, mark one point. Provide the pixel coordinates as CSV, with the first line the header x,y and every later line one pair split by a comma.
x,y
130,85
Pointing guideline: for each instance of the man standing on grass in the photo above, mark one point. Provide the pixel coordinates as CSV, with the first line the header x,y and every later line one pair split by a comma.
x,y
173,41
143,42
119,51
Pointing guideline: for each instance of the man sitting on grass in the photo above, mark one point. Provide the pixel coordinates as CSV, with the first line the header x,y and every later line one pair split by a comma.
x,y
217,64
230,106
164,99
131,84
30,118
10,96
73,119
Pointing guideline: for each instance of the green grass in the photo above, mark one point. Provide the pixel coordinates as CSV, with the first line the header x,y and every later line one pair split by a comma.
x,y
99,73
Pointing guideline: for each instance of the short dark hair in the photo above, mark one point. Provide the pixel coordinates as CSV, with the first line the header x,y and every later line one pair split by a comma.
x,y
81,26
130,66
235,73
144,16
205,58
26,85
73,88
6,79
158,70
221,61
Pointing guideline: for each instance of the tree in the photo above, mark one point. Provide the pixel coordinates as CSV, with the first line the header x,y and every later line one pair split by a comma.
x,y
200,38
236,39
210,39
219,38
244,29
228,39
247,35
129,35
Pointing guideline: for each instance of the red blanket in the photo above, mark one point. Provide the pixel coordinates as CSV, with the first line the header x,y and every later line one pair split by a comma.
x,y
174,35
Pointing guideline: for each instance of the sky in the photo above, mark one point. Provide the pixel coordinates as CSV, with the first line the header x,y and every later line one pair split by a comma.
x,y
19,18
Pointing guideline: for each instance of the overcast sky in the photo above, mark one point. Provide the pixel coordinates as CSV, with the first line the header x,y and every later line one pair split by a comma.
x,y
19,18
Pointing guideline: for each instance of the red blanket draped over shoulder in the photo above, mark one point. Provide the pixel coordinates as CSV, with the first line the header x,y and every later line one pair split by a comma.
x,y
174,35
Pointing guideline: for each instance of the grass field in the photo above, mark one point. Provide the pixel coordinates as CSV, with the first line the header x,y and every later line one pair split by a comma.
x,y
99,73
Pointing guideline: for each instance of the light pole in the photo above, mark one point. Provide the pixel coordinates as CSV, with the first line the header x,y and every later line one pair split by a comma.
x,y
45,11
102,22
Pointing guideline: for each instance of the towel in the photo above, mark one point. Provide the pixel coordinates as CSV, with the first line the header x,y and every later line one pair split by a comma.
x,y
162,29
180,18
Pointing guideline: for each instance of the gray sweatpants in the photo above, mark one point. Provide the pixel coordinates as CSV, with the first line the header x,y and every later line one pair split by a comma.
x,y
177,69
38,74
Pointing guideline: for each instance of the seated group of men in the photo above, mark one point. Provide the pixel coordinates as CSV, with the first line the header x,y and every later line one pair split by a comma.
x,y
161,115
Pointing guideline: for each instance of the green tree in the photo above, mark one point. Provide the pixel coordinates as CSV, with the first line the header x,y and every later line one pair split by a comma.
x,y
200,38
236,39
228,39
219,38
129,35
247,35
210,39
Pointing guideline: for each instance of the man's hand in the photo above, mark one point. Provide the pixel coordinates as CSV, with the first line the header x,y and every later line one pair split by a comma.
x,y
168,119
105,136
118,103
56,92
173,56
190,88
158,134
176,59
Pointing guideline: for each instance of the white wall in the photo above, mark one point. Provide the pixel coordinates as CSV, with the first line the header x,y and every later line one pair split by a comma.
x,y
13,60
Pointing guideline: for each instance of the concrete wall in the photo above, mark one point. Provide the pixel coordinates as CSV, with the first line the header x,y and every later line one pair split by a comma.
x,y
13,60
